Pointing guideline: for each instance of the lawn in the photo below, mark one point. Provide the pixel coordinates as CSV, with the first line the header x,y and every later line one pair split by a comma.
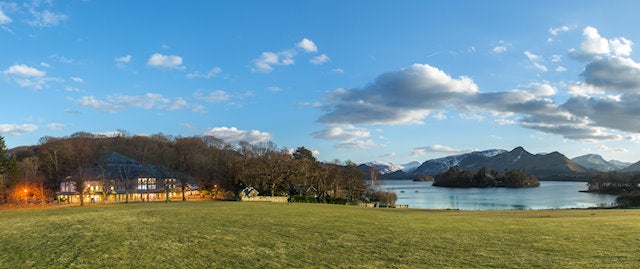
x,y
269,235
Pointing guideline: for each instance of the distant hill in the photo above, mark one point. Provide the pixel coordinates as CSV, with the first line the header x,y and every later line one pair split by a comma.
x,y
596,162
620,164
544,166
465,161
631,168
389,170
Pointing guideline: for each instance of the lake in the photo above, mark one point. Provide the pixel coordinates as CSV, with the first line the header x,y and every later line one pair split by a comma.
x,y
550,195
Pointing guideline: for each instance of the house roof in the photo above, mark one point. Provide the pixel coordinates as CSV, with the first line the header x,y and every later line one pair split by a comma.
x,y
118,166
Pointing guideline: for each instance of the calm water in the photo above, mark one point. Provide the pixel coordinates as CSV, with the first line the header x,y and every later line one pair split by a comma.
x,y
550,195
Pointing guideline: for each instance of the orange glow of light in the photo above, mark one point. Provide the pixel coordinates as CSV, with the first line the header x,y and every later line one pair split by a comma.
x,y
25,190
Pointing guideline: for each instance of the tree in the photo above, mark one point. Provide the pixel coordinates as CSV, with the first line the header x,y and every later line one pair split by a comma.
x,y
8,171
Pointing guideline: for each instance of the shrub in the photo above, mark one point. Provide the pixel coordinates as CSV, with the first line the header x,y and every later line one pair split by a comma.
x,y
628,199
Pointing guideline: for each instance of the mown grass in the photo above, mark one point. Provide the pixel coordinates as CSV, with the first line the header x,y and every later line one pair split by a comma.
x,y
266,235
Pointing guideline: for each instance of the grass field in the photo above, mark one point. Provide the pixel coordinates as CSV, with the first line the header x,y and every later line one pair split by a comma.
x,y
269,235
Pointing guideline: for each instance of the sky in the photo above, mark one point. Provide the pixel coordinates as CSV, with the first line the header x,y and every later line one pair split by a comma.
x,y
397,81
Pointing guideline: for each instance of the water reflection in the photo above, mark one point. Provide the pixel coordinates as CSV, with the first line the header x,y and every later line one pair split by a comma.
x,y
550,195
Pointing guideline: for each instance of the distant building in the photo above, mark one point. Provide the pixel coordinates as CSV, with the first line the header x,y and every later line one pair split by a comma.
x,y
119,178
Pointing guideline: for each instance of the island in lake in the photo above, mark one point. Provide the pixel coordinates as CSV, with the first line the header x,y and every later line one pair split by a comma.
x,y
485,178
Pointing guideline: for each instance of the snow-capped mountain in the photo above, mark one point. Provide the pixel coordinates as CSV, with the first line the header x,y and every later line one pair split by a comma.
x,y
384,167
553,165
596,162
410,167
387,167
464,161
620,164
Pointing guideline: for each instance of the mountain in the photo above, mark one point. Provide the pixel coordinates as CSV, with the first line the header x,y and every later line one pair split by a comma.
x,y
631,168
410,167
596,162
620,164
464,161
545,166
384,167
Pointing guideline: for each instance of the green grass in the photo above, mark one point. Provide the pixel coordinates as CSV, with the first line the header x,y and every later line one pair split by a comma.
x,y
265,235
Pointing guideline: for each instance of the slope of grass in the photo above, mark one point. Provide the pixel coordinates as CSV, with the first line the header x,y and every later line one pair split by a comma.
x,y
265,235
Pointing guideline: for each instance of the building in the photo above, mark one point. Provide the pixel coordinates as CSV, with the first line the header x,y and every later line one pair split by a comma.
x,y
118,178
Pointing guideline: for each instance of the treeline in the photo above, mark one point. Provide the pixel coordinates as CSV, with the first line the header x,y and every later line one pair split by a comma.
x,y
218,167
485,178
626,186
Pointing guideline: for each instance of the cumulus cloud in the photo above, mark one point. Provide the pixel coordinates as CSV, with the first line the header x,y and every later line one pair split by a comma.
x,y
16,129
27,76
403,97
165,61
206,75
233,135
307,45
614,73
267,60
320,59
594,45
23,70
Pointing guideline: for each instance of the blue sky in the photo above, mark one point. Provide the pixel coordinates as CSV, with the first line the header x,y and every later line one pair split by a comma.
x,y
354,80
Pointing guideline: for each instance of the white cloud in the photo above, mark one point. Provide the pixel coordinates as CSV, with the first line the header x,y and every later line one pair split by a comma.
x,y
419,151
593,43
77,79
17,129
621,46
115,103
403,97
46,18
124,59
337,70
307,45
212,97
121,62
535,60
561,69
320,59
233,135
4,19
556,58
27,76
92,102
557,30
206,75
356,145
606,148
342,133
23,70
55,126
499,49
165,61
274,89
267,60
